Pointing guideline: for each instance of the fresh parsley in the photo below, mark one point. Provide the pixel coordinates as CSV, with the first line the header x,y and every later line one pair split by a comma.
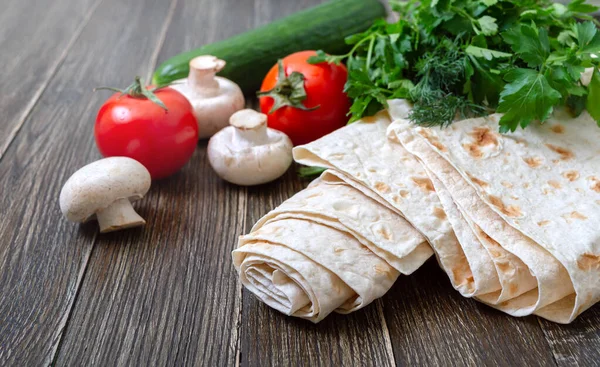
x,y
456,58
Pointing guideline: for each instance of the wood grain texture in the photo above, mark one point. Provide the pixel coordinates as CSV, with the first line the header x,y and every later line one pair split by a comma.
x,y
42,256
432,324
187,308
167,294
35,37
576,344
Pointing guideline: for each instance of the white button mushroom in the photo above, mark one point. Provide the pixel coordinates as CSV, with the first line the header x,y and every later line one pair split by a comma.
x,y
105,189
214,98
248,152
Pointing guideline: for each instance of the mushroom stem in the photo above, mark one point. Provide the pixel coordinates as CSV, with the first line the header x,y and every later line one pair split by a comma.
x,y
118,215
202,75
250,128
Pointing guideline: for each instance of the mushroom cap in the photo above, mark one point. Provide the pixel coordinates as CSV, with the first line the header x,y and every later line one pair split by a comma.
x,y
245,154
99,184
212,113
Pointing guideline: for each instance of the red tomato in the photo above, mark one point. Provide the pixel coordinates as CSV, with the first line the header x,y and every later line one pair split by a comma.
x,y
163,141
324,87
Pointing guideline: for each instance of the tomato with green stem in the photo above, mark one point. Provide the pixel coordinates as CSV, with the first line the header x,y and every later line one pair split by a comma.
x,y
306,101
155,126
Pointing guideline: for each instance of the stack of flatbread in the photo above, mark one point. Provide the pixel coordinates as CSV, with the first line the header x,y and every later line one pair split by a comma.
x,y
512,219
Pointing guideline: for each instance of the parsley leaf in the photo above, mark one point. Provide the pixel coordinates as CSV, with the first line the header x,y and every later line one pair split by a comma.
x,y
488,25
485,53
592,104
531,44
528,96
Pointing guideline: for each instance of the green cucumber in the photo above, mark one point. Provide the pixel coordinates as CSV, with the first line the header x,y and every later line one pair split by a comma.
x,y
250,55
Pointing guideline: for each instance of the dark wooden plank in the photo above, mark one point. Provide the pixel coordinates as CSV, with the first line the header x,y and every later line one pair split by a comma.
x,y
43,257
35,37
576,344
270,338
168,294
432,324
165,294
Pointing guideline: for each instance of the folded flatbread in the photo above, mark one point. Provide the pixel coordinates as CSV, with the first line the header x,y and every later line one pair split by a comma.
x,y
535,192
510,218
328,248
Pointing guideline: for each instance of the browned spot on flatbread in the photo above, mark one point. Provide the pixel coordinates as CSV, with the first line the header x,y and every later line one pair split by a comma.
x,y
382,187
533,162
424,183
385,233
595,186
439,212
526,185
433,140
314,195
504,266
547,191
365,248
404,193
425,132
396,199
507,184
574,215
509,211
543,223
565,154
336,156
484,136
520,141
556,161
337,250
384,269
478,182
587,262
558,129
484,235
571,175
494,253
372,170
462,275
513,288
473,150
555,184
436,143
228,161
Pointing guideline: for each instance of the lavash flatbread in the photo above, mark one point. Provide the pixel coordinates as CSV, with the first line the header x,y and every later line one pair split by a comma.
x,y
362,156
510,217
544,182
328,248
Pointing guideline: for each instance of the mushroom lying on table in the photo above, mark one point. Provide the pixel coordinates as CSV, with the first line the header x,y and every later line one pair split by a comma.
x,y
248,152
104,190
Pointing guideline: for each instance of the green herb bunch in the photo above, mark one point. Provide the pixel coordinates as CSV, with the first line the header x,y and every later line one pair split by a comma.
x,y
460,58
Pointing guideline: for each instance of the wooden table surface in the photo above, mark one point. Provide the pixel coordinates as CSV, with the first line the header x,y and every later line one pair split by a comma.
x,y
167,294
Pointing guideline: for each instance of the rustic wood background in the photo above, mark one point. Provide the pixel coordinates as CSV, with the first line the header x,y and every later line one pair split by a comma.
x,y
167,294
